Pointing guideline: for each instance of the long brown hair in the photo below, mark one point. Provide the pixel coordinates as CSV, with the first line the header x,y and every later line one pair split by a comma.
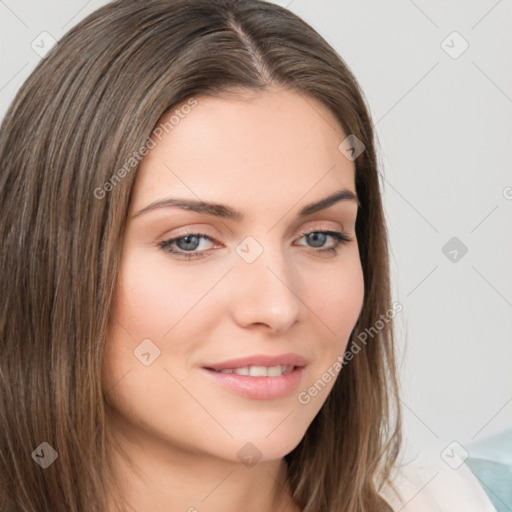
x,y
84,112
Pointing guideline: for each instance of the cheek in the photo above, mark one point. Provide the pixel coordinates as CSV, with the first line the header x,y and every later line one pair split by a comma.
x,y
140,311
151,297
156,301
338,297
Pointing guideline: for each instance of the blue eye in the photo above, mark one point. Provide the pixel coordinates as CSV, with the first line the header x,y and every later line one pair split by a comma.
x,y
338,236
187,245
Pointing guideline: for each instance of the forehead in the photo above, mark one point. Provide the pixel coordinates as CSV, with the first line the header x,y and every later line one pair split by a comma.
x,y
267,145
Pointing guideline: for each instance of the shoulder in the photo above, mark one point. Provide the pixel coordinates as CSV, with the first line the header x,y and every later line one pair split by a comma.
x,y
436,488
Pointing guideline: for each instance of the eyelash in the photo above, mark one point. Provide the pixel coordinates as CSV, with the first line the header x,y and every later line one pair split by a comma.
x,y
339,237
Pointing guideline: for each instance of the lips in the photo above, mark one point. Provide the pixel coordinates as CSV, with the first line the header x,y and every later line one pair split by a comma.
x,y
258,388
259,360
259,377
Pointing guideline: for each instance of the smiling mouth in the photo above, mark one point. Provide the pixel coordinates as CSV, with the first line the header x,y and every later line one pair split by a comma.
x,y
258,371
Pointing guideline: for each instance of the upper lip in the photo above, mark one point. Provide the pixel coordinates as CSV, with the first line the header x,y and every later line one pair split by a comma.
x,y
259,360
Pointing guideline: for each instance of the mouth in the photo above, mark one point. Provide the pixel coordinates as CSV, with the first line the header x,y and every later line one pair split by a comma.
x,y
260,363
258,371
259,377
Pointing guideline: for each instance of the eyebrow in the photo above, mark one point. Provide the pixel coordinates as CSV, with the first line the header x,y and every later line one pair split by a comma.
x,y
226,212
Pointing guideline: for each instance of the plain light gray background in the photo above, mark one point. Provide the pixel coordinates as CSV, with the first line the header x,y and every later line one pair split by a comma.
x,y
443,118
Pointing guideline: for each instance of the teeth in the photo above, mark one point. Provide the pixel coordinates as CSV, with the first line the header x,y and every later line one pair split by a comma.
x,y
260,371
274,371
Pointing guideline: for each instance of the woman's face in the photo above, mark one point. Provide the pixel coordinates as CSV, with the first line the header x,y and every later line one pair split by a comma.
x,y
255,288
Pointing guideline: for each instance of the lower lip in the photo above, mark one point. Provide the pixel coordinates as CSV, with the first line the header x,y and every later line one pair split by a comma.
x,y
259,388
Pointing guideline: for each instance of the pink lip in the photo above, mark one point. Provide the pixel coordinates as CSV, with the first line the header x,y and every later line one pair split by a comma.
x,y
258,388
259,360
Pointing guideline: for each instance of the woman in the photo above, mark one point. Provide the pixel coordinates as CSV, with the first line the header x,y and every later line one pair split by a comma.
x,y
198,311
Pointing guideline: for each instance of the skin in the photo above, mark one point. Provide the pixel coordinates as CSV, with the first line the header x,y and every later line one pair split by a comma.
x,y
267,155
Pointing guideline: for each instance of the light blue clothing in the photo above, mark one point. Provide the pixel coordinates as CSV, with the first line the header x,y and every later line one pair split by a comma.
x,y
490,460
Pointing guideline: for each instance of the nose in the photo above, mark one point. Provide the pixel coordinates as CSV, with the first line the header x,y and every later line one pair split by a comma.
x,y
266,291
